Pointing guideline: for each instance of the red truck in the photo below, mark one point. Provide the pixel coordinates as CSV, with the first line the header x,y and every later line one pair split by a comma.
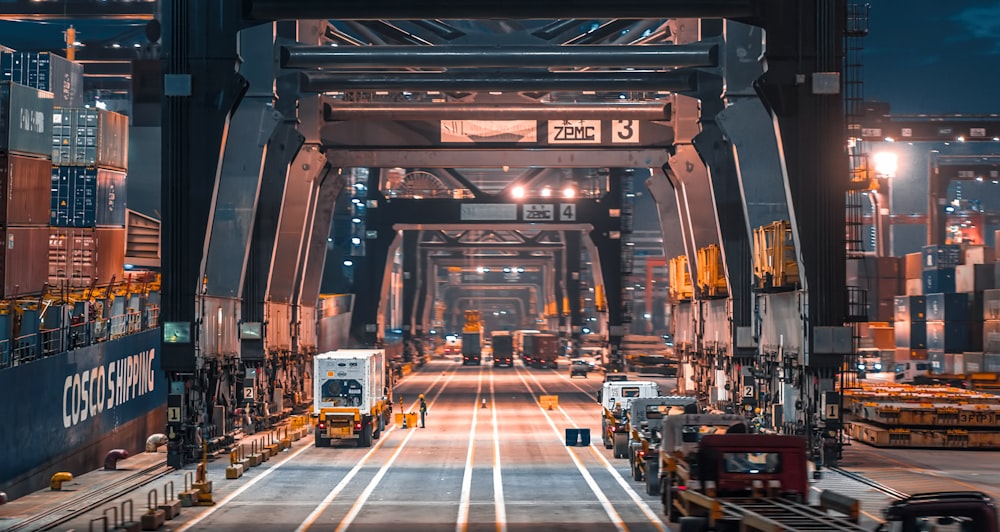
x,y
541,350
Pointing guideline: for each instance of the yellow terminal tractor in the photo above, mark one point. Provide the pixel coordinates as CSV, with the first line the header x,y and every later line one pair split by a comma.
x,y
351,396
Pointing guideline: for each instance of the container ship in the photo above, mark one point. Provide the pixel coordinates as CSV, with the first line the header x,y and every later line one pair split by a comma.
x,y
78,335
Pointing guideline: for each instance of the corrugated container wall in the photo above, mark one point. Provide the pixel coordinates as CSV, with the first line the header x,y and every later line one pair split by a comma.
x,y
913,265
954,307
911,334
974,277
25,120
110,254
948,336
74,191
87,197
24,184
912,308
939,281
946,256
991,336
45,71
111,198
21,259
72,257
991,304
90,137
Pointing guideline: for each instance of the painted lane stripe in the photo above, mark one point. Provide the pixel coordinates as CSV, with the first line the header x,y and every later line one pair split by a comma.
x,y
629,490
609,508
498,502
367,493
187,525
342,485
462,523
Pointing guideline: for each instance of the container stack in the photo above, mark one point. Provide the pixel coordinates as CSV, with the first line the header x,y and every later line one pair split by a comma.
x,y
910,326
948,332
880,278
89,150
991,335
25,141
939,264
913,282
46,72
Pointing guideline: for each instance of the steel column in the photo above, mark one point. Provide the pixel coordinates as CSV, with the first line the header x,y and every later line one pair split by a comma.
x,y
573,250
516,81
653,56
411,274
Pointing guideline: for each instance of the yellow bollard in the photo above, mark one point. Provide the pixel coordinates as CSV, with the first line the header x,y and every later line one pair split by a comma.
x,y
57,480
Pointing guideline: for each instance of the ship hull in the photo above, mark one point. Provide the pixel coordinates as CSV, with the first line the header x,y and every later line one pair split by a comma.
x,y
66,411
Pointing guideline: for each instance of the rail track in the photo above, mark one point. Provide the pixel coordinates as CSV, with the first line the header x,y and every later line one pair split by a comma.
x,y
894,493
86,502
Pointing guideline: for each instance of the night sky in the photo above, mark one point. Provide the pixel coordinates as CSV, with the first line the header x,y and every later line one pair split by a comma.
x,y
932,56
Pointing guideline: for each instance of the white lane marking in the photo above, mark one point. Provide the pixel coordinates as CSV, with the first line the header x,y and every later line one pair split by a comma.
x,y
609,508
636,498
241,489
342,485
498,502
462,523
363,498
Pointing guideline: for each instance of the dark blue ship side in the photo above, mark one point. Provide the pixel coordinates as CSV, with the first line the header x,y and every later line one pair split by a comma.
x,y
64,411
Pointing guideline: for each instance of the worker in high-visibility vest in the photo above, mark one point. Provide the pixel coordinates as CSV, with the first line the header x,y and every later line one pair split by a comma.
x,y
423,411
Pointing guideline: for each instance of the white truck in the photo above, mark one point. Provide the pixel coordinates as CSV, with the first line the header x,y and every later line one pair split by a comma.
x,y
616,398
350,396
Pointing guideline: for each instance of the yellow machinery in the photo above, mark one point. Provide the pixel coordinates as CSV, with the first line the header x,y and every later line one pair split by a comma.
x,y
680,279
711,273
774,260
473,322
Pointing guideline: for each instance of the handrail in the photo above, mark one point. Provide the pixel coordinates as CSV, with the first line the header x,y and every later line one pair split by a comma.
x,y
48,342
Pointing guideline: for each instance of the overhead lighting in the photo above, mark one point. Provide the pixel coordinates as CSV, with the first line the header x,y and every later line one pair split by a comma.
x,y
885,164
517,192
348,262
568,192
116,45
546,192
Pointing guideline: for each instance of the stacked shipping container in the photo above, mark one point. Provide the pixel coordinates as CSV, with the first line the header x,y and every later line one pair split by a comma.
x,y
991,334
25,133
46,72
910,328
90,151
879,277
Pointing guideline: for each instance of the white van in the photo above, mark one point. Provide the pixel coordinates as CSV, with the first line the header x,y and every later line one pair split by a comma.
x,y
623,392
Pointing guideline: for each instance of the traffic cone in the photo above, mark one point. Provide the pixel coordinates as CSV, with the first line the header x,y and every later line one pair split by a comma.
x,y
484,402
404,421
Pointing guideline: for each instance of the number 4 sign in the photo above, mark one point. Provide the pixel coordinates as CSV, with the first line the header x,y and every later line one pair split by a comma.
x,y
567,212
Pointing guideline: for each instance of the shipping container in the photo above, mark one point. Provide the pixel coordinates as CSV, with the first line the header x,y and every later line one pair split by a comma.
x,y
111,198
72,257
910,308
941,307
45,71
911,334
22,258
74,201
914,266
949,336
882,337
874,268
110,254
946,256
24,182
906,353
882,310
991,304
991,362
939,281
971,278
937,360
991,336
972,362
977,255
25,120
89,137
914,287
87,197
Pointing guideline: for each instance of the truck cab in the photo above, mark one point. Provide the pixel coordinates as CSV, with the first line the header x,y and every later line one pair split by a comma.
x,y
910,370
616,399
963,511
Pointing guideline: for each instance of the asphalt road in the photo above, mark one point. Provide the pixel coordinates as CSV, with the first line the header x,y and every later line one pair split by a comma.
x,y
502,467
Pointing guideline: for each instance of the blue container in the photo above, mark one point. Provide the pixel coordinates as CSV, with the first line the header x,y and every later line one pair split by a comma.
x,y
947,307
939,281
585,437
110,198
911,334
910,308
74,196
47,72
948,336
572,435
937,257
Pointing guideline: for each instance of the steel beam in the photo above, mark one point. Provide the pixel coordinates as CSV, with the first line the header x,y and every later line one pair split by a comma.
x,y
35,10
337,111
492,158
653,56
514,81
494,9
